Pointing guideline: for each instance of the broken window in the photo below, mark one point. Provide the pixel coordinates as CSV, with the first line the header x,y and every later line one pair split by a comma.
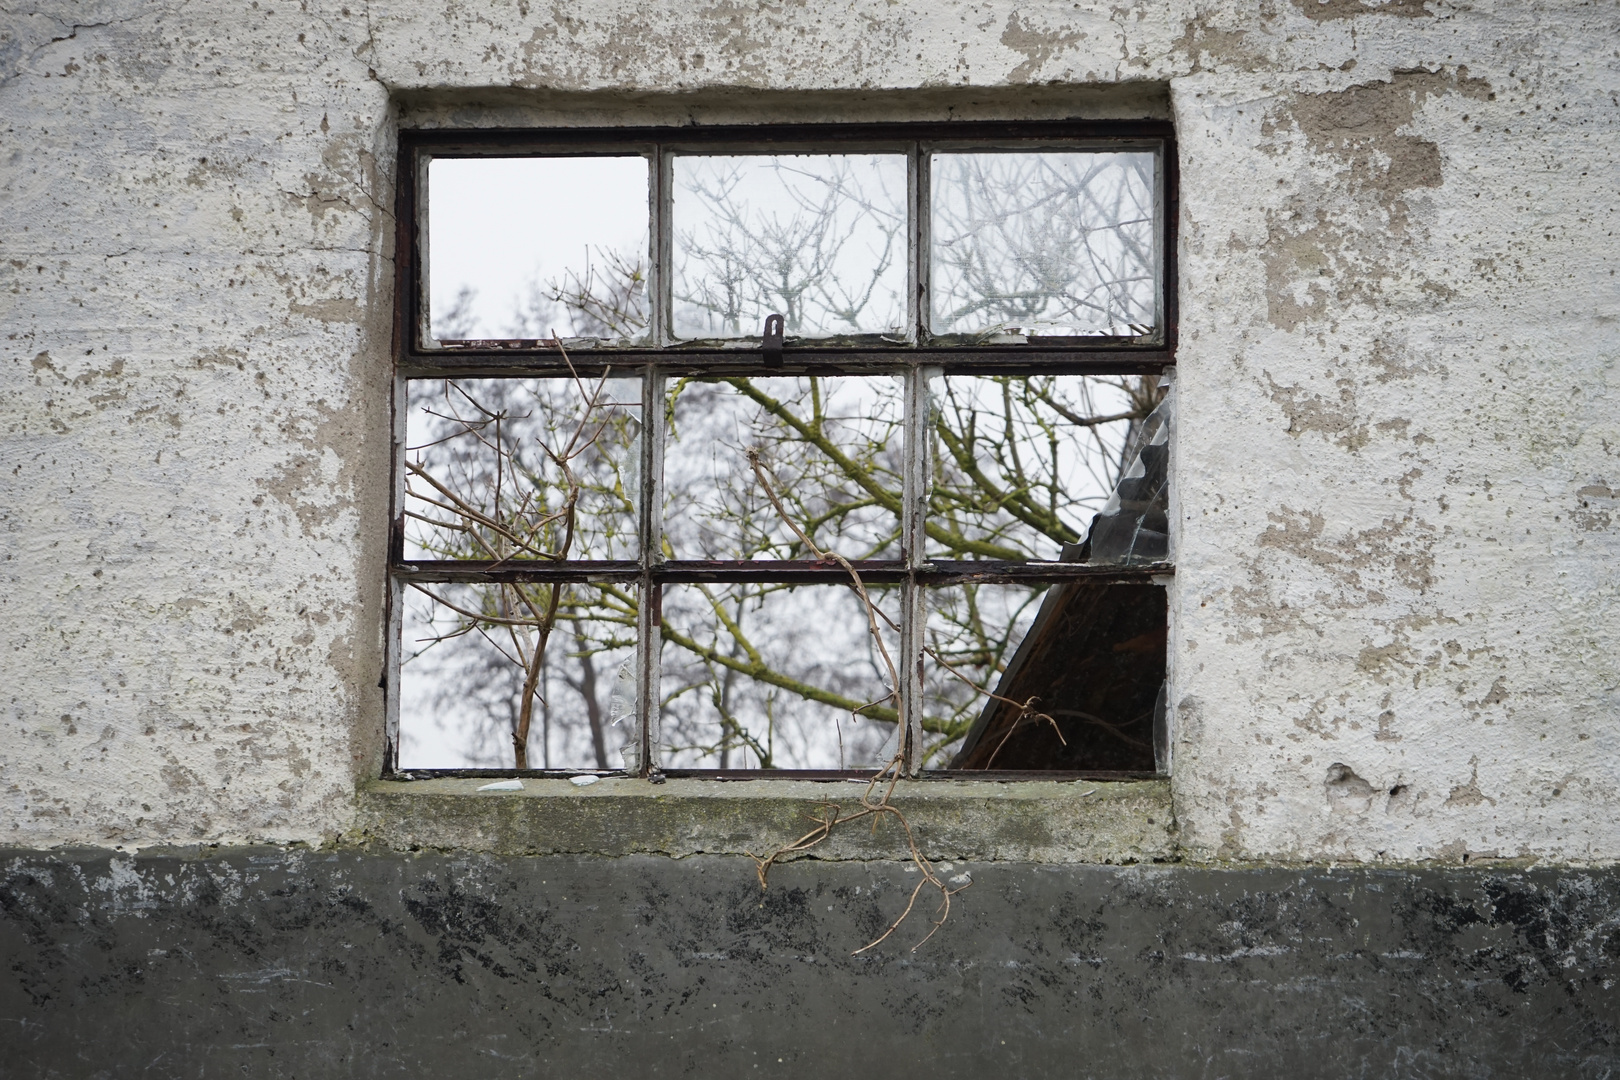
x,y
797,449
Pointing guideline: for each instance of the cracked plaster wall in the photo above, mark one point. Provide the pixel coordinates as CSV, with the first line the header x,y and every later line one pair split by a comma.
x,y
1395,631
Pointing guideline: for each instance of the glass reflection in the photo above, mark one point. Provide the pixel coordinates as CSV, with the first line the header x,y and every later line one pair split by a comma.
x,y
1043,244
819,238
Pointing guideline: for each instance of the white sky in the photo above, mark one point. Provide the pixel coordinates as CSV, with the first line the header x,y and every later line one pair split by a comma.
x,y
494,223
499,224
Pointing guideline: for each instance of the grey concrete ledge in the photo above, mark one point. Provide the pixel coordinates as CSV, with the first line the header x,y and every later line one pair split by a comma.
x,y
1032,821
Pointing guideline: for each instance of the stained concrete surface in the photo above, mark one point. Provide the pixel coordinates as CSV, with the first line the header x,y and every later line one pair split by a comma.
x,y
1397,462
1044,821
292,963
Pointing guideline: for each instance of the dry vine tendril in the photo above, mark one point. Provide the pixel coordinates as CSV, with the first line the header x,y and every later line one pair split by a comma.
x,y
875,806
519,620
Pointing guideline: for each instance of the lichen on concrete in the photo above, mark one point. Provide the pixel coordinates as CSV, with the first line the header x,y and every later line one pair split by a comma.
x,y
1024,821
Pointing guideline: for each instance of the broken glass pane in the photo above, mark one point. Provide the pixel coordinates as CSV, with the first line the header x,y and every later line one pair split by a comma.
x,y
1079,689
831,445
1057,244
777,676
522,469
468,651
519,247
818,238
1021,465
1134,525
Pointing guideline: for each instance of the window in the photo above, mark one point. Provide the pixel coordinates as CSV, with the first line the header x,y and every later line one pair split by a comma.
x,y
804,449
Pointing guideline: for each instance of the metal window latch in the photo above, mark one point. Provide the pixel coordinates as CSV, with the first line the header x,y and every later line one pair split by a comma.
x,y
771,346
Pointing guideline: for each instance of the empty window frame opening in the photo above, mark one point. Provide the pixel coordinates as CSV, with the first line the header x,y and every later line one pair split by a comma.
x,y
926,523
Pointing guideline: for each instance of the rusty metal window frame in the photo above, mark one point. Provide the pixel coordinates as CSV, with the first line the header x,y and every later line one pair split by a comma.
x,y
918,359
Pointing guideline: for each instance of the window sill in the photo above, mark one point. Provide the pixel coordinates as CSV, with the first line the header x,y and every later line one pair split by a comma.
x,y
1041,821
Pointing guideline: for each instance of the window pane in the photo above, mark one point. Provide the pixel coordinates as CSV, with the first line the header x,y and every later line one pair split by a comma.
x,y
973,632
519,247
1021,465
832,444
1077,673
522,469
770,676
1055,243
819,238
467,652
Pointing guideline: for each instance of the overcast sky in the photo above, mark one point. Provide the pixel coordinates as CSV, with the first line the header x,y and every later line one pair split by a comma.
x,y
496,223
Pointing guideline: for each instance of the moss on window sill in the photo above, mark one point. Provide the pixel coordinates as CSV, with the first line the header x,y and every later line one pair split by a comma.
x,y
1025,821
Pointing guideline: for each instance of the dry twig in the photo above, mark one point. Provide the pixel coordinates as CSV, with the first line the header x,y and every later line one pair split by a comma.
x,y
872,807
875,808
516,532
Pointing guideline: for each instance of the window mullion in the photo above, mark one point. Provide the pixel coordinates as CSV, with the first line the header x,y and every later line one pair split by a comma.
x,y
395,600
914,481
1160,195
662,271
650,602
421,307
914,507
920,219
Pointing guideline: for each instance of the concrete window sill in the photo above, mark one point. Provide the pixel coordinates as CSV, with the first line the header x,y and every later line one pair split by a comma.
x,y
1026,821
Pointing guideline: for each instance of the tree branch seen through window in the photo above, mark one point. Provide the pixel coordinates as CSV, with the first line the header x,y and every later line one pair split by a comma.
x,y
765,654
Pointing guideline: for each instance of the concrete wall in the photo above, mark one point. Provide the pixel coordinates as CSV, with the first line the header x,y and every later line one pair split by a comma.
x,y
1398,472
1394,625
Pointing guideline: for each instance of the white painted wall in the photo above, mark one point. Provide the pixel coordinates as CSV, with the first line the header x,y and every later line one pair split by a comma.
x,y
1396,623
